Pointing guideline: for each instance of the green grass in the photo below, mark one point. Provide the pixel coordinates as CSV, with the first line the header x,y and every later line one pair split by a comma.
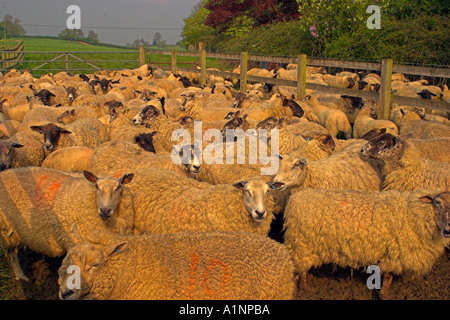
x,y
43,44
6,278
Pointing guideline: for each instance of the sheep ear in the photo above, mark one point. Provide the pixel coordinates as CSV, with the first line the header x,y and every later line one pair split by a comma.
x,y
153,133
240,185
428,198
115,248
75,235
16,145
127,178
38,129
90,176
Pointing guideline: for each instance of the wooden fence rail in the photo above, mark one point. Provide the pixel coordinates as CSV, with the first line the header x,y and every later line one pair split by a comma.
x,y
386,68
11,57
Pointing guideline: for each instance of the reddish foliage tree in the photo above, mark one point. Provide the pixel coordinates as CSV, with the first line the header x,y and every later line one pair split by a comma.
x,y
224,12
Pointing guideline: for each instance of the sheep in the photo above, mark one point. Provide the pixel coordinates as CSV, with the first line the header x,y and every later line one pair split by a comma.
x,y
397,231
38,207
88,132
6,153
168,203
402,168
73,159
31,154
145,141
340,81
206,266
8,128
244,101
333,120
344,169
297,111
420,129
366,120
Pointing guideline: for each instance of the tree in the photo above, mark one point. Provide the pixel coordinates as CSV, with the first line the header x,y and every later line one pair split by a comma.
x,y
226,14
71,34
92,37
12,26
157,39
195,30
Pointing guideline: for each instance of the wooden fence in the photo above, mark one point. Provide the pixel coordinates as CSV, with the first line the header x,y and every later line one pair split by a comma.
x,y
11,57
386,68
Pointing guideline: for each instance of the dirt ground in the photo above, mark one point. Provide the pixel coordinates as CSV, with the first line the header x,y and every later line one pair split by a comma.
x,y
325,283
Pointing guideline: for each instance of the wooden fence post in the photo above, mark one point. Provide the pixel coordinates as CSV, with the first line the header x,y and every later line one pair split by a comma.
x,y
174,61
385,90
141,56
243,78
301,77
203,68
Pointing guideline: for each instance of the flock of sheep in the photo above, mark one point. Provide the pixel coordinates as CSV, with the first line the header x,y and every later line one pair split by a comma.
x,y
87,172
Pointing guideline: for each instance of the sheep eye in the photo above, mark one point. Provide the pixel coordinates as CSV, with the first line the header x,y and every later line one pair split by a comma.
x,y
96,265
96,186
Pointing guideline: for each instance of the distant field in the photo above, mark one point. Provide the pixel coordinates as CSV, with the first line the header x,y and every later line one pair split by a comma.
x,y
51,44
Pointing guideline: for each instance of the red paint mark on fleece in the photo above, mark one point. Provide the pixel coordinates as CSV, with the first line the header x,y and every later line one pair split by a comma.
x,y
46,192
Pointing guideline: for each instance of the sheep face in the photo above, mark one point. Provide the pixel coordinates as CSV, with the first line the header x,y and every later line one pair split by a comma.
x,y
441,207
292,171
71,93
268,123
90,259
356,102
6,154
373,134
191,156
185,81
187,98
326,142
108,192
145,141
44,95
239,99
147,113
254,194
426,94
66,117
51,133
383,147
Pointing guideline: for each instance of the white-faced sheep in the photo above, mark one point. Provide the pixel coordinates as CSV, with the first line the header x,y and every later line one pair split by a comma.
x,y
205,266
168,203
397,231
333,120
38,207
366,120
401,166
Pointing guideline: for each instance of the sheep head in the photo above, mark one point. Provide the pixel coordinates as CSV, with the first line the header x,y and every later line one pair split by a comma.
x,y
90,258
51,133
254,194
191,157
292,171
386,150
67,116
441,207
145,141
147,113
108,192
71,93
6,153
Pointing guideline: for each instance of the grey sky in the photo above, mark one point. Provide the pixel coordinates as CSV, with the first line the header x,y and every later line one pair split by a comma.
x,y
104,13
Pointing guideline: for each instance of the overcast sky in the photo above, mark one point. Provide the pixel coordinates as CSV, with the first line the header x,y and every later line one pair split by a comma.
x,y
156,15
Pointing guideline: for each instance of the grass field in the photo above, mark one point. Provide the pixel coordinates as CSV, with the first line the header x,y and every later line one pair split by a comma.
x,y
41,45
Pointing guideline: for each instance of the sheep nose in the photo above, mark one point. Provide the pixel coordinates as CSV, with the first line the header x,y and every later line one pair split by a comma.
x,y
196,168
2,167
48,146
259,214
64,294
105,213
